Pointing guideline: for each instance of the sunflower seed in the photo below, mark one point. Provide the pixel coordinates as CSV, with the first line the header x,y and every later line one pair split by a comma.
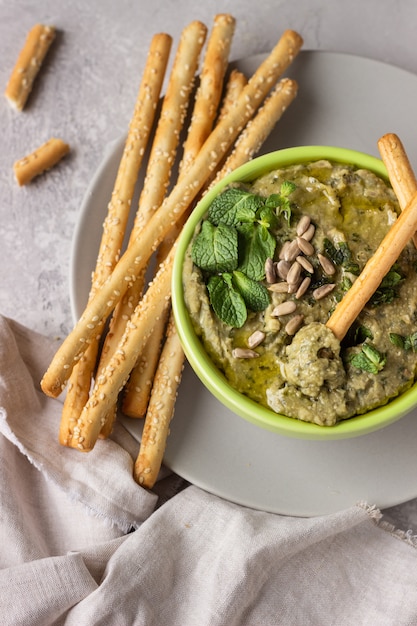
x,y
323,291
292,251
305,284
303,224
305,264
270,274
285,308
294,324
281,287
326,264
294,273
282,268
305,246
256,338
244,353
309,233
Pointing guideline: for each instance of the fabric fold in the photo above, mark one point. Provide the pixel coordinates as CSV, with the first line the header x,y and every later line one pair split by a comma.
x,y
67,555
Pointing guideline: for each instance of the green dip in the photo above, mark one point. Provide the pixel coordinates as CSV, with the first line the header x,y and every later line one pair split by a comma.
x,y
306,373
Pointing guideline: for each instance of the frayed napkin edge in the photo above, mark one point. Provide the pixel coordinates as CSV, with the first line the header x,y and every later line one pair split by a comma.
x,y
377,517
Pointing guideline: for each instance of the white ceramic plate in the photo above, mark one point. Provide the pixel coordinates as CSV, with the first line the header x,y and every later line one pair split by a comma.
x,y
345,101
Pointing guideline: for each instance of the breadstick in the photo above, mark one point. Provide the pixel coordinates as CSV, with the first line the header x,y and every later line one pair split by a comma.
x,y
248,143
117,215
374,271
158,173
159,414
210,87
111,379
160,409
40,160
28,64
137,255
161,159
257,130
403,180
206,103
236,82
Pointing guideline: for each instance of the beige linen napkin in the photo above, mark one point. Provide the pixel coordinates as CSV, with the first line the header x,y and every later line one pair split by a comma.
x,y
66,556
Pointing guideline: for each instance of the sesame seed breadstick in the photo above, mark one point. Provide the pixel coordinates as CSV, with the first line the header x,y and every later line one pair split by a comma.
x,y
114,226
140,129
112,378
403,180
257,130
158,173
28,64
161,159
210,87
138,254
40,160
207,99
236,82
143,322
248,143
160,409
166,383
375,269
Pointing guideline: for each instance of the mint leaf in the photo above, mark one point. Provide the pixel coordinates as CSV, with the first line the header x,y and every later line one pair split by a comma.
x,y
280,201
398,340
287,188
406,343
369,359
268,217
258,245
227,303
215,249
388,289
375,357
232,204
362,363
362,333
411,342
255,294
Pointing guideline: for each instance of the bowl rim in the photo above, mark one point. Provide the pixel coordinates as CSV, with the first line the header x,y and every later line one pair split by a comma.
x,y
211,377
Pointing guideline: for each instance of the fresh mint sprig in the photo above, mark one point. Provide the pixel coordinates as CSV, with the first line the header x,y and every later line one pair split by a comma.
x,y
233,245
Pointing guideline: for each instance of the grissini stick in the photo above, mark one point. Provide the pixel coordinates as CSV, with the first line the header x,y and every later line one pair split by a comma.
x,y
158,174
376,268
403,180
40,160
137,255
206,103
235,83
160,409
169,372
114,226
28,64
210,87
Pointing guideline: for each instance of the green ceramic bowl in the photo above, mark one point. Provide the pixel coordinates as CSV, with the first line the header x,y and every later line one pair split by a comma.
x,y
201,363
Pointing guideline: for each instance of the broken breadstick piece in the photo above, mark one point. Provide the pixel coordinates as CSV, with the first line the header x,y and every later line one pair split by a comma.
x,y
28,64
43,158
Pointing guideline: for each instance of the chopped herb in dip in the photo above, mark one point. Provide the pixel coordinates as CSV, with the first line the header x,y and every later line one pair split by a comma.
x,y
265,270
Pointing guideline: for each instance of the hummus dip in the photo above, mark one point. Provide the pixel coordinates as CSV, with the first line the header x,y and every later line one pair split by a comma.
x,y
283,356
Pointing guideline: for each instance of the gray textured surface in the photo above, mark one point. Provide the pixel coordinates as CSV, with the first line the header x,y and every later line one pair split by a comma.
x,y
86,94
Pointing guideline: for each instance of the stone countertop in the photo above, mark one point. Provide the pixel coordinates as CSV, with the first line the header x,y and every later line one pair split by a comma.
x,y
86,93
